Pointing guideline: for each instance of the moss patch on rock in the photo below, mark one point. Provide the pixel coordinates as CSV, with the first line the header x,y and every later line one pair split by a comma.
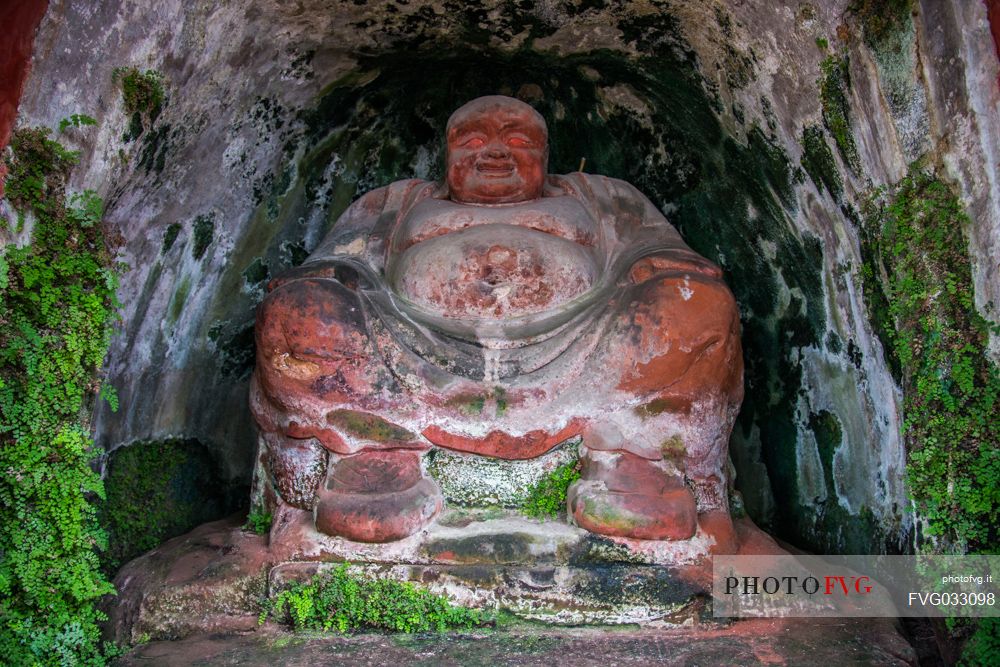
x,y
818,161
157,490
833,87
169,236
202,234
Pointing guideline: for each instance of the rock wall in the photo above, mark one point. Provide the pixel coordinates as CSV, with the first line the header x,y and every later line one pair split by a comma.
x,y
277,115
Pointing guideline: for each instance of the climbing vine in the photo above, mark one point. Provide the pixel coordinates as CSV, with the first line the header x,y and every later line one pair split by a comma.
x,y
57,304
921,295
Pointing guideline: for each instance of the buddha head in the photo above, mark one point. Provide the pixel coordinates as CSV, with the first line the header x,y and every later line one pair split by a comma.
x,y
497,152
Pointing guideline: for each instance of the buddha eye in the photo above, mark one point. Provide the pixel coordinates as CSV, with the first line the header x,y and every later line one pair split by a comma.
x,y
519,141
473,142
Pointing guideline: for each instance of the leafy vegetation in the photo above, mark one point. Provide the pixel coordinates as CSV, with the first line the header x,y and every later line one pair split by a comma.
x,y
983,646
142,95
920,288
76,120
258,522
833,86
347,602
57,305
142,92
548,496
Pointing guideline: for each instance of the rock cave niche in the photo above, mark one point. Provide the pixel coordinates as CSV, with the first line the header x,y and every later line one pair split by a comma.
x,y
651,122
720,115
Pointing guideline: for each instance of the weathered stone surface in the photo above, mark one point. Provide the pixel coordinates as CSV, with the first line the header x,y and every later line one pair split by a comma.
x,y
377,496
468,480
209,580
214,578
791,642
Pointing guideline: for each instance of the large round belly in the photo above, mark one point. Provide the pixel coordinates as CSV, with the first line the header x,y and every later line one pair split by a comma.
x,y
493,271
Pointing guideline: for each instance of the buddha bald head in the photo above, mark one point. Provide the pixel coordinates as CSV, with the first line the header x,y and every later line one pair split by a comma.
x,y
497,151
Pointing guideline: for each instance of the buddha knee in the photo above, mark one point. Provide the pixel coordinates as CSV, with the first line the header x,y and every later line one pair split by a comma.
x,y
309,328
684,337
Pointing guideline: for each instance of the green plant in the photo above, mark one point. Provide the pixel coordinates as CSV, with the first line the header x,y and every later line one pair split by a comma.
x,y
76,120
56,312
138,512
983,646
142,96
920,291
822,43
345,601
548,496
142,92
258,522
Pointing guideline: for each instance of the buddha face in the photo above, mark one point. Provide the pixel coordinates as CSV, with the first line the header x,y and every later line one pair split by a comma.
x,y
497,152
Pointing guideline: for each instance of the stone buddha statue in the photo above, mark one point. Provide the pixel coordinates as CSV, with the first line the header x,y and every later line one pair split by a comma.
x,y
499,314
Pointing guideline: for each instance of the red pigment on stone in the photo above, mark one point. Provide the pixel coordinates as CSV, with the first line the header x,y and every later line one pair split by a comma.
x,y
993,10
20,20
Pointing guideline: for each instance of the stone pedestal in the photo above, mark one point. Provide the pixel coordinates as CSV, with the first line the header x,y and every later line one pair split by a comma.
x,y
214,578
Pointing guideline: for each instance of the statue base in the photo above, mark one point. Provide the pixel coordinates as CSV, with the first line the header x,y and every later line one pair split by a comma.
x,y
213,579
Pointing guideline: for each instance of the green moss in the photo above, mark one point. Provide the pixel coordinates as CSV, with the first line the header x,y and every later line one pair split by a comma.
x,y
202,234
917,271
348,602
169,236
178,300
235,348
548,496
256,273
155,146
156,490
817,160
833,87
368,426
880,19
829,436
674,449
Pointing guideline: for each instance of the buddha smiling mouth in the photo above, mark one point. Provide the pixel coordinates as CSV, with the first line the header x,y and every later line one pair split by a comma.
x,y
495,170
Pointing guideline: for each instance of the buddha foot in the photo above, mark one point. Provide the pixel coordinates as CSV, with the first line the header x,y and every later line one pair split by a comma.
x,y
624,495
377,496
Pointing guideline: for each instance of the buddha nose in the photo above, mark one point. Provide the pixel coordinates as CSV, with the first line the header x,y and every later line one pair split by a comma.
x,y
497,149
